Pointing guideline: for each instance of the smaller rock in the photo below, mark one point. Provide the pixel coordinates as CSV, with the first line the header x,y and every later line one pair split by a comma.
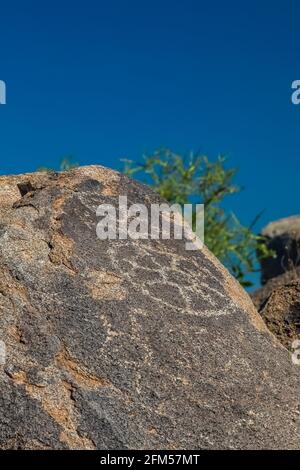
x,y
283,237
260,295
281,312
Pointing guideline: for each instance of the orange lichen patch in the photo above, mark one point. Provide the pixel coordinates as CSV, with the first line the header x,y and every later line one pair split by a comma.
x,y
105,286
56,400
19,377
61,250
9,193
58,204
79,373
61,245
111,188
15,332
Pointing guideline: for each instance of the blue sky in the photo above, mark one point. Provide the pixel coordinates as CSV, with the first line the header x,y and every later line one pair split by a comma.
x,y
106,80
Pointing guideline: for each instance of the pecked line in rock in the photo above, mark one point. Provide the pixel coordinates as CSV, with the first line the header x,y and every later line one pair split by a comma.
x,y
127,343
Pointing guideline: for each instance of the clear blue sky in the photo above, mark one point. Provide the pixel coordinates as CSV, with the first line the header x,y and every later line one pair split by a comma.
x,y
106,80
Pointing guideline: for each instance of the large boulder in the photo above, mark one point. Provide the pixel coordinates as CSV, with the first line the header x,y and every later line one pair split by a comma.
x,y
283,238
127,343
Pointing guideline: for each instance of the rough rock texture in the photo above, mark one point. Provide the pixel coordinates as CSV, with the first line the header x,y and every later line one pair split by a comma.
x,y
259,296
278,298
278,302
281,312
283,237
127,344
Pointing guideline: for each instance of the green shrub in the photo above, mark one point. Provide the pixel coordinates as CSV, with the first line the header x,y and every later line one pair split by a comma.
x,y
66,164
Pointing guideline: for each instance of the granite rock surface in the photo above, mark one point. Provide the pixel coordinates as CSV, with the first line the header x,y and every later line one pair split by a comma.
x,y
127,344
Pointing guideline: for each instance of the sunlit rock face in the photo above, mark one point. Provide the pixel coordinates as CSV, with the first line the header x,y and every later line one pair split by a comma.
x,y
127,344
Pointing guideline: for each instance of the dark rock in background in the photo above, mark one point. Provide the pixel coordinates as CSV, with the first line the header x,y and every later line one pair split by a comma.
x,y
278,298
259,296
127,344
281,312
283,237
